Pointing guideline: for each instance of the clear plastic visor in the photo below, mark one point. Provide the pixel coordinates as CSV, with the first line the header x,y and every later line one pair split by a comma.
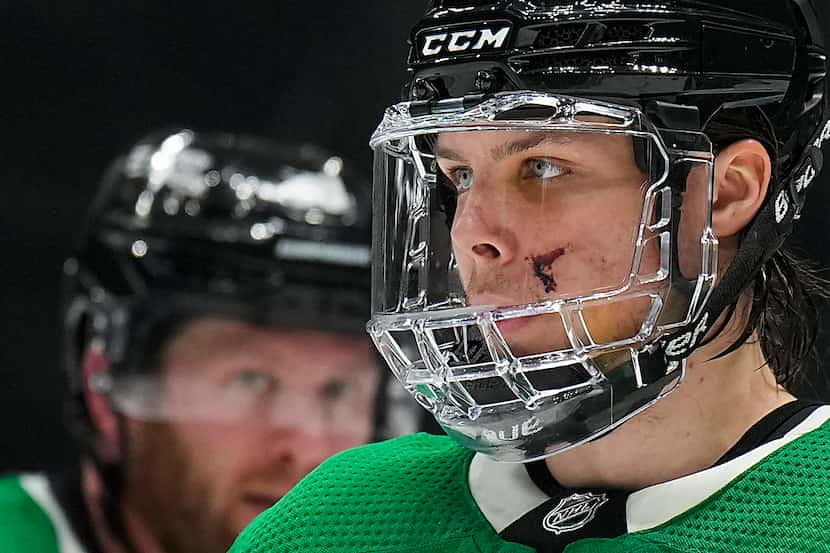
x,y
528,247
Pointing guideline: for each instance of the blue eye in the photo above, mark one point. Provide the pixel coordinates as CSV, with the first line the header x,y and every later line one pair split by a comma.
x,y
545,168
463,178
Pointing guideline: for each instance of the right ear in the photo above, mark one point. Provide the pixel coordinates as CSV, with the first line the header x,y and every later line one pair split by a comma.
x,y
95,366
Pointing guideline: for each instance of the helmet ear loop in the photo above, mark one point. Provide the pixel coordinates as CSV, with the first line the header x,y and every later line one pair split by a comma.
x,y
678,186
97,385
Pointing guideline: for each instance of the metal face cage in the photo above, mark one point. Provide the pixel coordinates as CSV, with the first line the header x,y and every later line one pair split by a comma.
x,y
595,360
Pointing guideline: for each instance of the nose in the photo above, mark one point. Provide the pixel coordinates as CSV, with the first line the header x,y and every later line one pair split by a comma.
x,y
480,231
297,450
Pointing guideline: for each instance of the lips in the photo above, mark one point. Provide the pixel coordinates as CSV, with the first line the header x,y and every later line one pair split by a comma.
x,y
512,326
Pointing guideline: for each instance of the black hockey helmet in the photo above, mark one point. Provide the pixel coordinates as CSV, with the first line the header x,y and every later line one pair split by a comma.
x,y
190,224
679,79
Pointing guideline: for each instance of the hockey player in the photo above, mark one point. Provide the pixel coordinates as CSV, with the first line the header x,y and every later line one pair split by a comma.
x,y
215,346
579,214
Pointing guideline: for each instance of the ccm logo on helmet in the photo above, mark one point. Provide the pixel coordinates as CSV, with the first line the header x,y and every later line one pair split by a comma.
x,y
466,40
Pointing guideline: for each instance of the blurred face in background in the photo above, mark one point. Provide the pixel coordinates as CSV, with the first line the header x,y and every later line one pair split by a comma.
x,y
248,411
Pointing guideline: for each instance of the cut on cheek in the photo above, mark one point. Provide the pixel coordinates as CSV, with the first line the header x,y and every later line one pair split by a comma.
x,y
542,268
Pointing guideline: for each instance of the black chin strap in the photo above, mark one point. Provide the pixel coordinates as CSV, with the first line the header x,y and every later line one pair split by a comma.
x,y
763,238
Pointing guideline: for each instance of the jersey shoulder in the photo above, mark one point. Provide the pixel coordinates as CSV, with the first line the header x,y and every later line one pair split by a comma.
x,y
780,504
406,495
24,526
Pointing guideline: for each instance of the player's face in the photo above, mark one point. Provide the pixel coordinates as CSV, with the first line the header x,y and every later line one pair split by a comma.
x,y
544,215
299,397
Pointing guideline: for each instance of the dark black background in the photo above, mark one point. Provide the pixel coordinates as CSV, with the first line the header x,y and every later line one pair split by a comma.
x,y
82,80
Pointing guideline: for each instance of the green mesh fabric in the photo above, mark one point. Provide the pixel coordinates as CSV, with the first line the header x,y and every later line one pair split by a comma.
x,y
780,505
407,495
410,496
24,527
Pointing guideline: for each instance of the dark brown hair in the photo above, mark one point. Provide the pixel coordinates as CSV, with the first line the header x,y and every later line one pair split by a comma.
x,y
789,289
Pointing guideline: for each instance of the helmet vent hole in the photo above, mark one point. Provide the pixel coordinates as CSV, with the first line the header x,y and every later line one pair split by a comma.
x,y
558,36
625,31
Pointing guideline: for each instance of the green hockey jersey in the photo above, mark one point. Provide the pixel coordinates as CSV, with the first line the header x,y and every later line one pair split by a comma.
x,y
424,493
31,519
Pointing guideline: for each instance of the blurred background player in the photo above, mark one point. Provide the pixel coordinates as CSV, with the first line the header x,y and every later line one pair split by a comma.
x,y
214,346
579,218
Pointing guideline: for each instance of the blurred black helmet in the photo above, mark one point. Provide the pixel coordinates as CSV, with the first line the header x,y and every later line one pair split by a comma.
x,y
190,224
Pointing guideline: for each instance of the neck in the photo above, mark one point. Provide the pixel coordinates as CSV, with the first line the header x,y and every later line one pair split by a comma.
x,y
685,432
137,538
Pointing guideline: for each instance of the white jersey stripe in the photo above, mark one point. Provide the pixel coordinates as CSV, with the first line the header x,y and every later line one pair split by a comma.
x,y
656,505
503,492
38,489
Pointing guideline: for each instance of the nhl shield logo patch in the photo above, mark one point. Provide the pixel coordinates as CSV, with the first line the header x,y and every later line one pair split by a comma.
x,y
573,512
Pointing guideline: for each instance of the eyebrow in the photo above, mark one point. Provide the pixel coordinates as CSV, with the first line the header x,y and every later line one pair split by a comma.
x,y
502,151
